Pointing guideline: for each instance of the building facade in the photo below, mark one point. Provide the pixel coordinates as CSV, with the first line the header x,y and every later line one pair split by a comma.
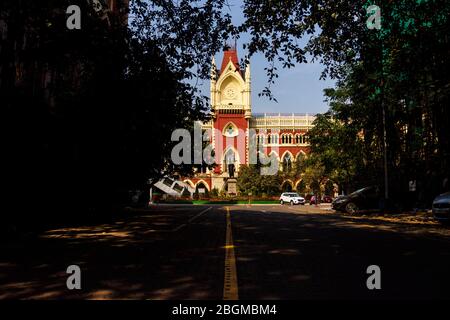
x,y
234,127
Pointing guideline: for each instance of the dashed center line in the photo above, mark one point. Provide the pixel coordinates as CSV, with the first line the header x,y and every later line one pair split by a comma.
x,y
230,286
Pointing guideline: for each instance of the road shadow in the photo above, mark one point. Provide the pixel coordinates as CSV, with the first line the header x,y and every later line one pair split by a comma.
x,y
135,257
287,255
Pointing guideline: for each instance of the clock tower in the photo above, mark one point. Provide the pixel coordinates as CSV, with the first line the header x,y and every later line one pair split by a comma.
x,y
231,111
280,136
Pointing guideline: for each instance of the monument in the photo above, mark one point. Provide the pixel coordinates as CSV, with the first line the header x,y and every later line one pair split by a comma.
x,y
231,181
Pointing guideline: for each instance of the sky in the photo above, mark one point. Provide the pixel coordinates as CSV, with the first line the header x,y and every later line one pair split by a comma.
x,y
297,90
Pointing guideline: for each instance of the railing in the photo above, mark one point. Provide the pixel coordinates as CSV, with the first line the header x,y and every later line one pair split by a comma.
x,y
230,107
281,120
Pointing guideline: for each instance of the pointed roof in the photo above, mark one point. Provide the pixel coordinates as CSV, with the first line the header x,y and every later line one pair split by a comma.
x,y
230,54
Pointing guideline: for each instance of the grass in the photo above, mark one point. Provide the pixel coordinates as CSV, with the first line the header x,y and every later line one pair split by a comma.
x,y
231,201
235,202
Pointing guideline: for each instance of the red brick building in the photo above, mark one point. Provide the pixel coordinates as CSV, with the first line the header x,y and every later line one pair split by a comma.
x,y
233,126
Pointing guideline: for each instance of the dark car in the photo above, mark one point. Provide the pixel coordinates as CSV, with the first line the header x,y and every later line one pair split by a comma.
x,y
441,207
362,199
327,199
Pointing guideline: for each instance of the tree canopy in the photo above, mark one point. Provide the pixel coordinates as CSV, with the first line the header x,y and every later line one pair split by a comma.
x,y
88,114
398,69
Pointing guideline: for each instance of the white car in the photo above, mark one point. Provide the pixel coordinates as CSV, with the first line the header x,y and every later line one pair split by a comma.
x,y
291,198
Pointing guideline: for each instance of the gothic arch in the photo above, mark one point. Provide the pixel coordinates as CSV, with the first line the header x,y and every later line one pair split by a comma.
x,y
204,183
235,130
287,152
287,186
236,155
233,74
190,183
287,165
301,152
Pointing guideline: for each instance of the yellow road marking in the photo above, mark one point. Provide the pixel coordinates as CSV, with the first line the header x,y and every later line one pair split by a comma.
x,y
230,286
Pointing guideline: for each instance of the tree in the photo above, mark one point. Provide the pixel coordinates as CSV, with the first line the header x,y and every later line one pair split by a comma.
x,y
329,188
314,175
251,181
248,180
89,112
300,165
301,187
214,192
398,71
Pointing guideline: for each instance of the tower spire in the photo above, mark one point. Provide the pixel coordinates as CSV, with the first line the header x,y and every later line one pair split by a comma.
x,y
213,69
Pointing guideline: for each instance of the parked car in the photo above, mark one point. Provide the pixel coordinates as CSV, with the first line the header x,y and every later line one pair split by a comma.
x,y
441,207
327,199
362,199
291,198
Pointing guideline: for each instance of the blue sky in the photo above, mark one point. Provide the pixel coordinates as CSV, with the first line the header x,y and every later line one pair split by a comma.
x,y
298,89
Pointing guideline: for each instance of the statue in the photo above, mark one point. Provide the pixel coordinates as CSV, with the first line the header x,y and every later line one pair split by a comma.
x,y
230,159
231,170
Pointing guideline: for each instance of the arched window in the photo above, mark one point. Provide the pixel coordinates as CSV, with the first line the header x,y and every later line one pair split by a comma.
x,y
274,139
287,162
201,189
261,139
297,139
230,130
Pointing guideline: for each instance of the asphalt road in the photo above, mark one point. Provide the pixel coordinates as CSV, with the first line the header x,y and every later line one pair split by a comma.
x,y
257,252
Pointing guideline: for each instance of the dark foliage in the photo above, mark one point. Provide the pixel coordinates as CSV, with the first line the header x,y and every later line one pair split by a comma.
x,y
87,115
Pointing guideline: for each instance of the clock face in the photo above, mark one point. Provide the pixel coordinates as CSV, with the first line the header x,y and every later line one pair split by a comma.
x,y
230,92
